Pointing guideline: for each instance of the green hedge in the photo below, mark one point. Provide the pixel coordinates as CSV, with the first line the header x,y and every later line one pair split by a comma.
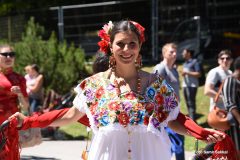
x,y
61,64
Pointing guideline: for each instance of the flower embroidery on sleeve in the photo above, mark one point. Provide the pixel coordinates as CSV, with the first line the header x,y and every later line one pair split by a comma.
x,y
99,92
83,84
89,94
162,101
170,103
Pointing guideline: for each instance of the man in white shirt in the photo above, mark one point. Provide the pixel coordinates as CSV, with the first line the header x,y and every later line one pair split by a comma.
x,y
215,77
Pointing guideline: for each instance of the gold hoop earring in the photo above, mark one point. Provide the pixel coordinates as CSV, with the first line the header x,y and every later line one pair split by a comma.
x,y
112,62
138,62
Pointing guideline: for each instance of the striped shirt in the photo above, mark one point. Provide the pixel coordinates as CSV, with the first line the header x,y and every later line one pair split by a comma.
x,y
231,93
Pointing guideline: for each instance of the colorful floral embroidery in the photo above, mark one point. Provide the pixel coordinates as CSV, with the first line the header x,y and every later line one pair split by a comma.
x,y
170,103
123,118
107,107
99,92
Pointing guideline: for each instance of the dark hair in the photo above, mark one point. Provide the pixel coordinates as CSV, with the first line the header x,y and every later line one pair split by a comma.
x,y
101,63
225,52
123,26
237,63
35,67
190,51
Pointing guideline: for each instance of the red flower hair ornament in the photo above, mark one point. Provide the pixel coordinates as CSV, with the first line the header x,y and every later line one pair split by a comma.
x,y
104,34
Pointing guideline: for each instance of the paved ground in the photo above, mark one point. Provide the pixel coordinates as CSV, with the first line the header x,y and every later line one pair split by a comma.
x,y
61,150
54,150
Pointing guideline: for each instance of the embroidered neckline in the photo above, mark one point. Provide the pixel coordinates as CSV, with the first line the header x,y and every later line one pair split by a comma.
x,y
116,84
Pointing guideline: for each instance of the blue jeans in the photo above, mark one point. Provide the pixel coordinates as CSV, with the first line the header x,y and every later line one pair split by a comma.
x,y
180,155
177,144
34,104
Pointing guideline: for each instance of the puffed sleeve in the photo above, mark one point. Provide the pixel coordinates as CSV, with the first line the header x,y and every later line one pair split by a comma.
x,y
80,100
171,103
166,104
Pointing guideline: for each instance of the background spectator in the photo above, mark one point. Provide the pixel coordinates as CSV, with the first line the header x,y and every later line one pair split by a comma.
x,y
190,73
215,77
12,85
34,81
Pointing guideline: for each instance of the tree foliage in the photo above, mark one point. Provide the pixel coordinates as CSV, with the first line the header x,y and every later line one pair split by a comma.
x,y
61,64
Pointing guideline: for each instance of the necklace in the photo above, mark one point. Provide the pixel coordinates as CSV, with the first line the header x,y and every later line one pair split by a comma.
x,y
118,90
129,132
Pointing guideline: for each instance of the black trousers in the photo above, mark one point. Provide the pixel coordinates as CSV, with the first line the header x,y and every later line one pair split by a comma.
x,y
189,94
234,132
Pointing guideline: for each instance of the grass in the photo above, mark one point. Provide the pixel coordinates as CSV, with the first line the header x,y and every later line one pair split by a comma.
x,y
78,131
75,131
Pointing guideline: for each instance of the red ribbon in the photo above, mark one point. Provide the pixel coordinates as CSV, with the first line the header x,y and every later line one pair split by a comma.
x,y
44,120
10,150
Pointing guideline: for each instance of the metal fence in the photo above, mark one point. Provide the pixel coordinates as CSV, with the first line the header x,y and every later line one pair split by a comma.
x,y
79,24
12,27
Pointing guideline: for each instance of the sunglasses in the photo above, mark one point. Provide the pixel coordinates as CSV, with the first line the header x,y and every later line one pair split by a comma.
x,y
10,54
227,58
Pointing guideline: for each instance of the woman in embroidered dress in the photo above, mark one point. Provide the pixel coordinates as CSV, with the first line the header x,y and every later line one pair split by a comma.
x,y
12,84
127,108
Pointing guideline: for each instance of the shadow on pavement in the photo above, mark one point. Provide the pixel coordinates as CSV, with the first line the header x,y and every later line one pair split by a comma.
x,y
36,158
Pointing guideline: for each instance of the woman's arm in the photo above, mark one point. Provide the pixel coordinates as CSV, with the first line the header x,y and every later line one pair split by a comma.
x,y
37,85
72,115
24,102
53,118
177,127
209,90
186,126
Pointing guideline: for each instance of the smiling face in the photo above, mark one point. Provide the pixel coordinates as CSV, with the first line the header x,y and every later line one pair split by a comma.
x,y
225,61
125,48
6,61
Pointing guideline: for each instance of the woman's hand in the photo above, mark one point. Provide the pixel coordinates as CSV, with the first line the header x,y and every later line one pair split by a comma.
x,y
16,90
214,136
23,100
20,117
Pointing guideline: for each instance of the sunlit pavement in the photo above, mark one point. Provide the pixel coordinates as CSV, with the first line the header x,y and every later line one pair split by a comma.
x,y
54,150
61,150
